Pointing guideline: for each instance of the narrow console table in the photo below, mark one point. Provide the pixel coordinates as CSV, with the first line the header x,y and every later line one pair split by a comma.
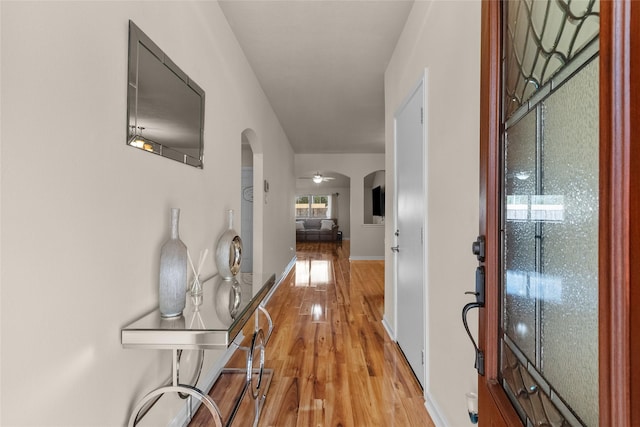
x,y
209,321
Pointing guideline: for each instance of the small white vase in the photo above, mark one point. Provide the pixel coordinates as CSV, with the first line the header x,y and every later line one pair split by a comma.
x,y
173,272
229,251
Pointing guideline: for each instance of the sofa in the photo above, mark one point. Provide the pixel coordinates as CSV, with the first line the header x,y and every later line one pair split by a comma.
x,y
316,229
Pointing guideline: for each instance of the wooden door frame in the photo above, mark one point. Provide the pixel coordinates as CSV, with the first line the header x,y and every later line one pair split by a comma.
x,y
494,407
619,323
619,236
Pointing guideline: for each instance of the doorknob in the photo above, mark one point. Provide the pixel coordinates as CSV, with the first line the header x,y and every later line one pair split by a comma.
x,y
396,248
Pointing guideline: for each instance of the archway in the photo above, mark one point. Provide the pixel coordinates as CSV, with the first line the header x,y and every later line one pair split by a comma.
x,y
251,211
336,188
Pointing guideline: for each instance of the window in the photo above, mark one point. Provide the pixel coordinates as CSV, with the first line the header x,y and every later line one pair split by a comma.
x,y
312,206
550,204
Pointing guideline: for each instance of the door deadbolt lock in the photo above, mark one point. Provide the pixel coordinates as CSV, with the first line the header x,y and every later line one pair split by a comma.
x,y
478,248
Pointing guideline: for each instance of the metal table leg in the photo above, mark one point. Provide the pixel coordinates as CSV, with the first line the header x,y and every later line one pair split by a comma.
x,y
180,389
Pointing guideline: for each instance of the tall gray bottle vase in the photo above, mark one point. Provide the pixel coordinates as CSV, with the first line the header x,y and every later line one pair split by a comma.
x,y
173,271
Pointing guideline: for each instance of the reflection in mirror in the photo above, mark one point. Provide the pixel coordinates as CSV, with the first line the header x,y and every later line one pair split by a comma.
x,y
374,190
165,107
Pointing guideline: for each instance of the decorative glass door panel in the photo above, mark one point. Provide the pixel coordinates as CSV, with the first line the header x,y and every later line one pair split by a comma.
x,y
549,337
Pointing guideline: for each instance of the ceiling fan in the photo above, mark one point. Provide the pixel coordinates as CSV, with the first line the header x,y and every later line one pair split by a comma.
x,y
318,178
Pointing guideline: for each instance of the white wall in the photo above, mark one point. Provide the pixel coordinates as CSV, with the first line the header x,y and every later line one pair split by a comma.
x,y
367,241
83,215
444,37
1,210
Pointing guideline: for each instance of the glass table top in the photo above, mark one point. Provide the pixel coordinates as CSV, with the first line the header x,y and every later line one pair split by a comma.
x,y
209,321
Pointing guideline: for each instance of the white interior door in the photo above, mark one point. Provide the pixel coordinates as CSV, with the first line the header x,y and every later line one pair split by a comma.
x,y
410,220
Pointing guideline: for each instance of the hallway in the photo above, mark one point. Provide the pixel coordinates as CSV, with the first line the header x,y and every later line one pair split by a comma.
x,y
333,363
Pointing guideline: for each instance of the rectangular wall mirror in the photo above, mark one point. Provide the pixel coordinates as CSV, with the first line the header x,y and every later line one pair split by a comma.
x,y
165,108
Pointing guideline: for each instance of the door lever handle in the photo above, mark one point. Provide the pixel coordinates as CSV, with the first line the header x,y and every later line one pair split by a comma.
x,y
478,303
479,362
395,249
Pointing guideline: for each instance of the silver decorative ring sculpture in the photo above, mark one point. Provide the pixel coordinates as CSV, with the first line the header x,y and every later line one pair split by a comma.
x,y
229,252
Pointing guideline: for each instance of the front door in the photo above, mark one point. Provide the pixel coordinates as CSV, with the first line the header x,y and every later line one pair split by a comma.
x,y
558,326
410,217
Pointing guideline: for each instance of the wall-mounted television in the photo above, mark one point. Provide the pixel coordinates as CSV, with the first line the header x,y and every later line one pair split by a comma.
x,y
377,200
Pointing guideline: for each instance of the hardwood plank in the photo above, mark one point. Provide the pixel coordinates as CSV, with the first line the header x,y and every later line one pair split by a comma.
x,y
333,363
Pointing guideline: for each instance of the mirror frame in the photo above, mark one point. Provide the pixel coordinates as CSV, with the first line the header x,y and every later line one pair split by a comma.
x,y
139,40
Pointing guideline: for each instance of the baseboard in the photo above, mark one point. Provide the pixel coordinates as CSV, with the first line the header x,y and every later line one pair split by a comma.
x,y
387,327
366,258
288,268
439,420
432,407
279,280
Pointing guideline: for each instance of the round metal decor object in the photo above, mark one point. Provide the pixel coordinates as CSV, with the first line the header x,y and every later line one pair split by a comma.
x,y
229,254
227,297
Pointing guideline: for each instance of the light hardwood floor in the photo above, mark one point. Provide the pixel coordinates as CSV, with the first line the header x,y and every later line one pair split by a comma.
x,y
333,363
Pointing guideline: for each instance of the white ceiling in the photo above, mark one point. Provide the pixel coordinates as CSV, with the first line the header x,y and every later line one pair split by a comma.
x,y
321,63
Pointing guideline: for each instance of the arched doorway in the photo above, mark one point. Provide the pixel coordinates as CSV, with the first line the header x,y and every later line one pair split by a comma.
x,y
251,201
